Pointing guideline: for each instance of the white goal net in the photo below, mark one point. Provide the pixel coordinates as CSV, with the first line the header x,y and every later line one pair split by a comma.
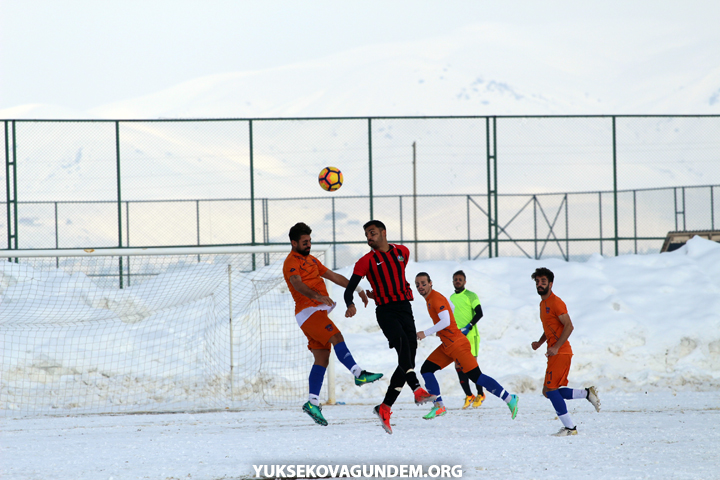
x,y
139,330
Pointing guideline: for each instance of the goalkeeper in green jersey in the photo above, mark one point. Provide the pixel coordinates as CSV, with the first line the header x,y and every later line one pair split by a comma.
x,y
467,311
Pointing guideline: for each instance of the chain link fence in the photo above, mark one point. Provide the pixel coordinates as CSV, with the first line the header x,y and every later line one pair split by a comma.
x,y
450,187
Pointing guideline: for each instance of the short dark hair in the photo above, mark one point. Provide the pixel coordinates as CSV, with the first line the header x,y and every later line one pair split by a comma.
x,y
460,272
374,223
298,230
424,274
543,272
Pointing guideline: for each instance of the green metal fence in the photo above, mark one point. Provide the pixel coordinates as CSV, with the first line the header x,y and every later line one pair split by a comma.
x,y
452,187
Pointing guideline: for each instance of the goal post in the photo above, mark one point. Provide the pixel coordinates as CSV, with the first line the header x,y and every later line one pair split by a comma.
x,y
158,329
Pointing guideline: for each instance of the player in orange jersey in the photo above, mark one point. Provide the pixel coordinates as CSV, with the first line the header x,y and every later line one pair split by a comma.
x,y
455,347
304,275
557,327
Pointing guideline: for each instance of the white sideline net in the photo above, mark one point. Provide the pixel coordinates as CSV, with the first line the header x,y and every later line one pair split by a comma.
x,y
74,342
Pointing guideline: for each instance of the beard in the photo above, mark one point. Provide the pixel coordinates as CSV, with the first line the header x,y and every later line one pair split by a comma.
x,y
305,252
543,291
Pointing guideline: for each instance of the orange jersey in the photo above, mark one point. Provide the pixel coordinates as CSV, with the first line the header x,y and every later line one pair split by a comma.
x,y
550,310
437,303
309,268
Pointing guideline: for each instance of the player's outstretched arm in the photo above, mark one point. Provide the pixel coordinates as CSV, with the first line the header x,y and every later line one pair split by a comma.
x,y
349,290
338,279
298,284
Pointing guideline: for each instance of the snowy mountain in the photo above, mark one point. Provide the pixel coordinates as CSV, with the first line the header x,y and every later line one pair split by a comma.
x,y
483,69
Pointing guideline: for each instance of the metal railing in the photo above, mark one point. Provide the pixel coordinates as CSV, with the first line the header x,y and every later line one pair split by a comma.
x,y
564,187
537,225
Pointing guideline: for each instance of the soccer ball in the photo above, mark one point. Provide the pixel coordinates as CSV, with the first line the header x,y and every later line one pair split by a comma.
x,y
330,178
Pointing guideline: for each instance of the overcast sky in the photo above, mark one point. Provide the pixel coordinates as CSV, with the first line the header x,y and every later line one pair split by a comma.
x,y
85,53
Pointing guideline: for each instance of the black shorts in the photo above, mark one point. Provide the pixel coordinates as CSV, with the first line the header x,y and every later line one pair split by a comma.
x,y
396,321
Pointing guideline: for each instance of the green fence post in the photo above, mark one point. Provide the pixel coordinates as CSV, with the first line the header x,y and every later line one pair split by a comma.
x,y
489,185
615,189
127,240
57,237
415,234
535,236
11,185
14,181
119,191
332,200
467,207
492,213
675,207
252,192
495,188
635,218
119,197
712,209
601,221
567,229
370,171
401,218
8,200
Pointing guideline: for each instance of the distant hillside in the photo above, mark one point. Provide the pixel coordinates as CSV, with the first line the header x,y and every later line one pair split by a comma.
x,y
485,69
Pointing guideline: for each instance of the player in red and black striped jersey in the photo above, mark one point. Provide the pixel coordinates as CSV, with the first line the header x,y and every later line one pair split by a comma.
x,y
384,267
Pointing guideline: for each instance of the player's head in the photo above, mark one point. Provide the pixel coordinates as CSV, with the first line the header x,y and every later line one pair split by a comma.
x,y
423,284
459,280
543,280
300,238
376,234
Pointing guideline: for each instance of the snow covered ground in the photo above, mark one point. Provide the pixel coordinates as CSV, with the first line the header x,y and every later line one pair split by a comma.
x,y
647,333
658,435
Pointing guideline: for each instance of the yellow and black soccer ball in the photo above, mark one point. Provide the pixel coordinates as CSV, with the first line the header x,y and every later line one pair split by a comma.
x,y
330,178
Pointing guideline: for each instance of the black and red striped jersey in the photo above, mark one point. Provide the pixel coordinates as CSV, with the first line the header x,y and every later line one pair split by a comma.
x,y
386,273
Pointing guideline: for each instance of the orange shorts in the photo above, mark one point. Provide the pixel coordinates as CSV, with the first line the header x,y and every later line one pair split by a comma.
x,y
558,368
318,329
443,356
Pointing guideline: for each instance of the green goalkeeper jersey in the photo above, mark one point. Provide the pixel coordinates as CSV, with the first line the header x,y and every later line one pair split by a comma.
x,y
464,304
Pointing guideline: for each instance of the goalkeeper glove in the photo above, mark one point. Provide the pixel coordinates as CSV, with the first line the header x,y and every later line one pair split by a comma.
x,y
466,329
